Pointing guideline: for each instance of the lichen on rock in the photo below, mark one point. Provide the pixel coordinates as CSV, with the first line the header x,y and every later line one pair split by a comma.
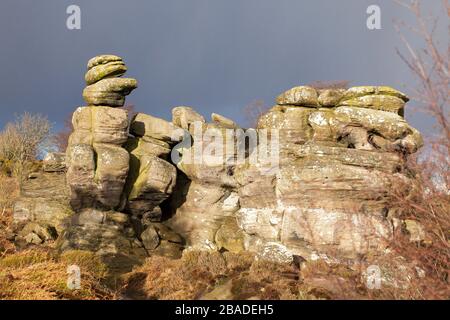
x,y
126,194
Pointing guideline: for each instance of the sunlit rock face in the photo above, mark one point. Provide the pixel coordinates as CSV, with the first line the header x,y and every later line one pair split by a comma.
x,y
310,180
340,151
97,163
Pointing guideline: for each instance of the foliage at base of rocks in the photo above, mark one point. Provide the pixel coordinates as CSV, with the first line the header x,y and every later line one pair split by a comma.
x,y
39,274
213,275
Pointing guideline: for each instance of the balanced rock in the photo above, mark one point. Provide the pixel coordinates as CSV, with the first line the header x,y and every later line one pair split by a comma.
x,y
378,98
330,97
156,128
183,117
102,59
151,178
107,70
299,96
105,88
223,121
109,92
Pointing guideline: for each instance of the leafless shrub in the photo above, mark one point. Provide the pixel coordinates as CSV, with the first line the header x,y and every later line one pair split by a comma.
x,y
61,138
428,198
24,139
253,111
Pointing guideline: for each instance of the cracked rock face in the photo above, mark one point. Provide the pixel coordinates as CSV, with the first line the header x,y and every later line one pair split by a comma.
x,y
136,187
98,165
43,205
328,196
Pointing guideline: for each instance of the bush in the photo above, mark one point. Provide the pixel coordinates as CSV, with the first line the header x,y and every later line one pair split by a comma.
x,y
24,140
428,205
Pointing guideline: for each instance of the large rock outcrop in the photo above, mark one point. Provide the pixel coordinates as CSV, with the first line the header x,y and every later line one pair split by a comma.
x,y
311,180
205,194
338,158
98,166
43,205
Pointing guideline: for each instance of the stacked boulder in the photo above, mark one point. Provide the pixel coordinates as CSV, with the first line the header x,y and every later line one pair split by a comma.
x,y
151,180
339,152
97,163
131,189
206,196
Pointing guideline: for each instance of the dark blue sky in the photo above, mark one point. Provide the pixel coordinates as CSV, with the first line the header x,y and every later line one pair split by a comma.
x,y
213,55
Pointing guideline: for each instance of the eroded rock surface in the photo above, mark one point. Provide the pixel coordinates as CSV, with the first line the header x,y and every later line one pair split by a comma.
x,y
43,205
152,186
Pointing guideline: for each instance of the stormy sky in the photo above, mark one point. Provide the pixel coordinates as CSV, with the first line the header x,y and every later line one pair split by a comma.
x,y
213,55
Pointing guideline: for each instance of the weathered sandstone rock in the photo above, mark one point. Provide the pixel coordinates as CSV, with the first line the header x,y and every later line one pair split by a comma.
x,y
150,184
107,70
142,146
156,128
377,102
109,92
360,91
99,124
183,117
54,162
330,97
223,121
107,233
338,154
102,59
96,175
43,206
299,96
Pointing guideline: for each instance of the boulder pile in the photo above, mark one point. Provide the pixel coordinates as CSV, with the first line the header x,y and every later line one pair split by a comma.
x,y
151,180
98,165
339,152
96,161
138,187
206,196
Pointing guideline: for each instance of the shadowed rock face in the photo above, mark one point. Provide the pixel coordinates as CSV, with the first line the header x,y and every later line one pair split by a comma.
x,y
338,152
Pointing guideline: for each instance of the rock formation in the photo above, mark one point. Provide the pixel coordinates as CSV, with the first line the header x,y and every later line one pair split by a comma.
x,y
98,165
43,206
153,186
339,152
206,195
